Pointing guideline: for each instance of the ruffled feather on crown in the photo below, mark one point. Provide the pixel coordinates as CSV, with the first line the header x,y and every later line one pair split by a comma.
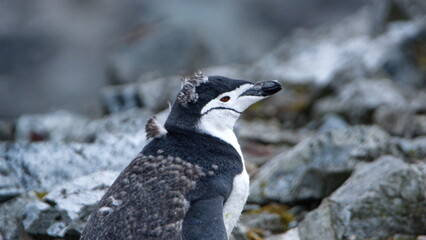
x,y
188,92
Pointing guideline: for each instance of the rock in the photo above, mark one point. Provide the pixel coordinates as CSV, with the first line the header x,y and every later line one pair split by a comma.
x,y
292,234
237,234
80,193
418,103
62,126
407,120
154,95
332,122
55,126
10,184
127,127
414,8
310,63
65,210
315,57
231,70
419,123
380,199
290,106
400,121
412,149
38,220
388,11
358,100
269,222
395,120
40,166
11,215
334,54
405,63
158,94
269,132
116,99
318,165
272,218
6,132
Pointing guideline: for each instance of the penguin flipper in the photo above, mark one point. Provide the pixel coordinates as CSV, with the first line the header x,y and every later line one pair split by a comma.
x,y
204,220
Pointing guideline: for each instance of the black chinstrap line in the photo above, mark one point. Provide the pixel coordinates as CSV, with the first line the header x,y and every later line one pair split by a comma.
x,y
221,108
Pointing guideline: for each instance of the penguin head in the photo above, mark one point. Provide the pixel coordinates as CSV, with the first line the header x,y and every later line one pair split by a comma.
x,y
215,102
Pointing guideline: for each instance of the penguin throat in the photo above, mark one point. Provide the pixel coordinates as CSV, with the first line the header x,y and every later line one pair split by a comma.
x,y
223,130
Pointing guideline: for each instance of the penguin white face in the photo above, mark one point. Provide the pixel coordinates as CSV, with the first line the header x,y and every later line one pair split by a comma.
x,y
220,113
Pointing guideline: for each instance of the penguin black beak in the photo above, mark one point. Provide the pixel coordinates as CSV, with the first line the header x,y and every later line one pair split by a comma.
x,y
263,89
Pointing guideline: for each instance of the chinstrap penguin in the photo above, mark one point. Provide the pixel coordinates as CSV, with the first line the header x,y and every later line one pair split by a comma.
x,y
190,181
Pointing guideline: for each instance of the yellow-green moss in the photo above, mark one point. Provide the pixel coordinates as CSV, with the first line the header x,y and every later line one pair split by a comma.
x,y
41,195
278,209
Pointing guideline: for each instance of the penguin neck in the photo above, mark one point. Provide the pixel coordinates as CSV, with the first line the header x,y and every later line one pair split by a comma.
x,y
185,121
224,132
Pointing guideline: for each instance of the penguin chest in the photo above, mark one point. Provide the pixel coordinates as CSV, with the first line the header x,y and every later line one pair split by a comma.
x,y
235,203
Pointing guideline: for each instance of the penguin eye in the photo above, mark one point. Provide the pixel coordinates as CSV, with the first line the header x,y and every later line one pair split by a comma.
x,y
225,99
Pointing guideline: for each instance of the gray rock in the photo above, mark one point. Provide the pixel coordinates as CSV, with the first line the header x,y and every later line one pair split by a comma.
x,y
403,64
290,106
292,234
332,122
334,54
395,120
154,95
40,166
65,210
415,8
315,57
358,100
80,193
387,11
62,126
400,121
311,62
121,98
11,215
269,132
230,70
10,185
418,102
41,219
269,222
412,149
318,165
381,199
237,234
6,133
419,123
55,126
127,127
337,53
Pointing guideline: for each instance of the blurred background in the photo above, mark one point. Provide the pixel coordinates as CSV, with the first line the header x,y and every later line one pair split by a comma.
x,y
59,54
338,154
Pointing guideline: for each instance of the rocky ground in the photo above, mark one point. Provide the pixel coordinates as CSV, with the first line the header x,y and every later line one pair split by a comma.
x,y
339,154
